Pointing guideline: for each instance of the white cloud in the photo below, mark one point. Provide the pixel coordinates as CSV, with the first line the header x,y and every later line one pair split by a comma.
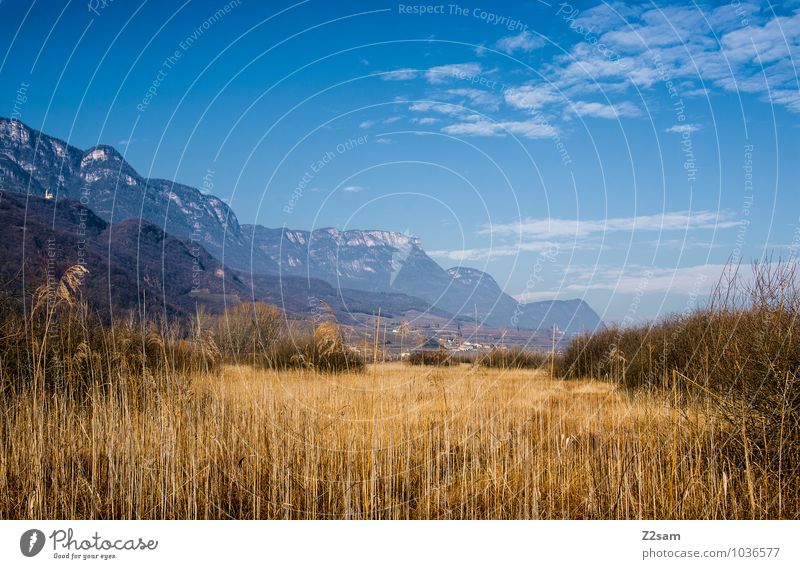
x,y
701,49
426,120
445,73
532,129
607,15
734,47
788,97
696,281
478,128
696,93
442,108
352,189
370,123
534,296
528,97
668,221
478,97
484,253
684,128
524,42
604,111
405,74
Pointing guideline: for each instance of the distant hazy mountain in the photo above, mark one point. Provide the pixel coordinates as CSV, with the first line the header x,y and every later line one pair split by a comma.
x,y
372,261
383,261
568,315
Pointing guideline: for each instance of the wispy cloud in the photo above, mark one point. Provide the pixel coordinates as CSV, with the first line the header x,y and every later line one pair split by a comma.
x,y
532,129
529,97
445,73
485,99
441,108
370,123
668,221
524,42
703,50
697,281
684,128
352,189
735,47
484,253
603,110
532,235
405,74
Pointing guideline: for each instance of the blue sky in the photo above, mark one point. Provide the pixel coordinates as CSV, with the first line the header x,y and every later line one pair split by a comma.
x,y
612,152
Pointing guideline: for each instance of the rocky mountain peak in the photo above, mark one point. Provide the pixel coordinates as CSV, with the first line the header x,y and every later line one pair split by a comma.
x,y
467,274
15,130
101,155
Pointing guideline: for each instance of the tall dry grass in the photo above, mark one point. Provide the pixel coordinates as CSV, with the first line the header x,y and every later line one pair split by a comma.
x,y
739,354
394,442
148,421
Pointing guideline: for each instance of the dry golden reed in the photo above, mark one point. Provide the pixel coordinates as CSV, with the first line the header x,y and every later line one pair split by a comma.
x,y
243,416
395,441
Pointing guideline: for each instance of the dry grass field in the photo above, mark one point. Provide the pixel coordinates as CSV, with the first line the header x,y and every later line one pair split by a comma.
x,y
393,441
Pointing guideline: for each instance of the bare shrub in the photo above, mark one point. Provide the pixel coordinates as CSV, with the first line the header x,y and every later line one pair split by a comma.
x,y
513,358
249,328
438,357
324,351
741,352
59,346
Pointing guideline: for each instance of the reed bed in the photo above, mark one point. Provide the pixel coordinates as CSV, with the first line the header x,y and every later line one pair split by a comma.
x,y
392,442
240,416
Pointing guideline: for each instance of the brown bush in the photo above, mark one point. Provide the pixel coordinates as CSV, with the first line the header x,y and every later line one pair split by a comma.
x,y
741,352
513,358
60,346
438,357
249,328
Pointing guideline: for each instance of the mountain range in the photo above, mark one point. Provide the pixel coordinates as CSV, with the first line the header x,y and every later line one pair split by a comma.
x,y
139,226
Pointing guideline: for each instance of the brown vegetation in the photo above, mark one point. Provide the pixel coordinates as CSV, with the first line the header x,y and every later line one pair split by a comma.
x,y
740,355
149,421
514,358
440,357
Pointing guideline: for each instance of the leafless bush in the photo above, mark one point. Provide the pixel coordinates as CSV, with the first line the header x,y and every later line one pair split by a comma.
x,y
324,351
741,352
249,328
58,345
438,357
513,358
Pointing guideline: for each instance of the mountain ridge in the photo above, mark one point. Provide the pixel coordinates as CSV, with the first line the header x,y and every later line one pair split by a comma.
x,y
373,261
